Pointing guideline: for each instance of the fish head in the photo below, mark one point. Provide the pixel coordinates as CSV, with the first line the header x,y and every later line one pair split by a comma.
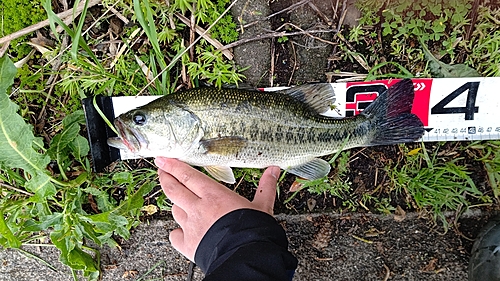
x,y
157,130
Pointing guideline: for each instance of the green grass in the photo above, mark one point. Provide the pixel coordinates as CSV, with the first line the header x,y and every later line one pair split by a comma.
x,y
52,186
489,155
434,185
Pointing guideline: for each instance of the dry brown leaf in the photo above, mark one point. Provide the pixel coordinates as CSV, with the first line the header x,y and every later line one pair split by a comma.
x,y
296,186
150,209
431,266
311,203
399,214
130,274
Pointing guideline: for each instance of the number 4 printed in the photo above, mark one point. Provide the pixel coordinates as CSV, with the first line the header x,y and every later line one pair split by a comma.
x,y
470,107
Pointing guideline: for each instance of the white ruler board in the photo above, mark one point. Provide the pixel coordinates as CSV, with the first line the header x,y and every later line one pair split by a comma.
x,y
451,109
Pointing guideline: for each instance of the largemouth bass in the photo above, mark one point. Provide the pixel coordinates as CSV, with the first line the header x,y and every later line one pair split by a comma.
x,y
223,128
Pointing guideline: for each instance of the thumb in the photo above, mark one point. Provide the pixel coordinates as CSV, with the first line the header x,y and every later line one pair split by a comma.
x,y
266,192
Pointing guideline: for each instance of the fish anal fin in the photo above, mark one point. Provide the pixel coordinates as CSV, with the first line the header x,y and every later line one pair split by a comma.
x,y
311,170
319,97
224,145
221,173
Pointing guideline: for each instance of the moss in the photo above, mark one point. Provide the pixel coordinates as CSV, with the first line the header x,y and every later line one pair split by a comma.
x,y
16,15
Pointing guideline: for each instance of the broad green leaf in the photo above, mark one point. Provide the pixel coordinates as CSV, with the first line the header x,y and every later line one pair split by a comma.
x,y
78,259
75,117
102,222
44,223
72,254
16,137
123,177
88,230
61,238
442,70
40,185
61,141
5,232
79,147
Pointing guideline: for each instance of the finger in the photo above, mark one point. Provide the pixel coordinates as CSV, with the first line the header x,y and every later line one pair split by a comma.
x,y
176,238
193,179
176,192
180,216
266,192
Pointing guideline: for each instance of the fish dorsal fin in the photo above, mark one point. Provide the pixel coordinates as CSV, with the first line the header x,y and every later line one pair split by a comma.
x,y
312,170
221,173
319,97
224,145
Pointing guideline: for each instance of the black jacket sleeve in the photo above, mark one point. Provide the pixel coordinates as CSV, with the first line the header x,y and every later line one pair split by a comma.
x,y
245,245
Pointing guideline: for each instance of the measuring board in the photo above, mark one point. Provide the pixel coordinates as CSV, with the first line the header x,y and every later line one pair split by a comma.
x,y
451,109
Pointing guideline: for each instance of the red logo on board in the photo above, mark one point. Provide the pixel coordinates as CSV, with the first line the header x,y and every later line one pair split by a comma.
x,y
360,94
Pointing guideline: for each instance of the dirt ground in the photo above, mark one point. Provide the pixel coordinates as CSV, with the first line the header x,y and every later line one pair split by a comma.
x,y
328,247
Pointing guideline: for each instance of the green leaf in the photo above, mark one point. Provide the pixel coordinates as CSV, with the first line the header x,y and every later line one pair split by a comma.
x,y
72,254
440,69
16,137
78,259
45,222
78,33
75,117
10,240
53,19
42,187
60,141
79,147
123,177
88,230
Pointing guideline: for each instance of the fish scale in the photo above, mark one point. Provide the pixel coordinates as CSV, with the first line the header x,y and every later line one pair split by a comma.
x,y
222,128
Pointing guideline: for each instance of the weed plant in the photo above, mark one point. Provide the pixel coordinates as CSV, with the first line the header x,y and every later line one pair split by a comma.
x,y
16,15
434,185
440,25
396,34
47,186
483,47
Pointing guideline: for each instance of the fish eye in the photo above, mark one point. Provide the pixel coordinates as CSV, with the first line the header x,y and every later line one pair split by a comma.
x,y
139,118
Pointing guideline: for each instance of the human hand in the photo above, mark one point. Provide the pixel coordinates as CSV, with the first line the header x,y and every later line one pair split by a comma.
x,y
200,201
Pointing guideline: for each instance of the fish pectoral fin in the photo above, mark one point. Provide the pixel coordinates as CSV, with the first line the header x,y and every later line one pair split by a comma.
x,y
224,145
221,173
319,97
312,170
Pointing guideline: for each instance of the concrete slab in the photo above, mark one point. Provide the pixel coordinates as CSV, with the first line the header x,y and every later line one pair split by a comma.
x,y
328,246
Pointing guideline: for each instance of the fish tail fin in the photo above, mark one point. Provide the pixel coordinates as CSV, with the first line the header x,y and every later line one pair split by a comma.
x,y
392,111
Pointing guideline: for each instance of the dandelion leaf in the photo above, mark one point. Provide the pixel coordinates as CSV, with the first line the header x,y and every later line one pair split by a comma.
x,y
442,70
17,141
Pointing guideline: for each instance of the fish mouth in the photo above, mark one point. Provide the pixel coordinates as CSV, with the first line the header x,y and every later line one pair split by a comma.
x,y
130,137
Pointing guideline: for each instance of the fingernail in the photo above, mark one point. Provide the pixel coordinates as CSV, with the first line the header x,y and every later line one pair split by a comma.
x,y
159,161
275,172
